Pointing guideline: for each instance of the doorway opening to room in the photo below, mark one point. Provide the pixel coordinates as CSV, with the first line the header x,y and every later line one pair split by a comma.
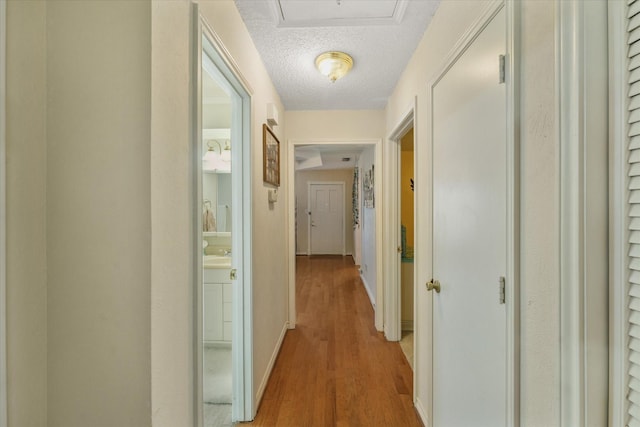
x,y
222,330
407,241
333,211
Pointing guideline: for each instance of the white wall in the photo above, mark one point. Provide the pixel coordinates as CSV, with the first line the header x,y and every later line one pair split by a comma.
x,y
539,193
302,198
368,263
26,174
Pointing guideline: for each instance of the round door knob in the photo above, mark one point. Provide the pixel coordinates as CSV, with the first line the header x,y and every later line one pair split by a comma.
x,y
433,285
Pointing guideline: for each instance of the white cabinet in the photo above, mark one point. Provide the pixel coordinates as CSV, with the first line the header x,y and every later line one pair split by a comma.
x,y
218,305
212,311
227,310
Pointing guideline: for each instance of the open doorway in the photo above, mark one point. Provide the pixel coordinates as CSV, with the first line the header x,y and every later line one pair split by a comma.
x,y
223,333
351,166
407,239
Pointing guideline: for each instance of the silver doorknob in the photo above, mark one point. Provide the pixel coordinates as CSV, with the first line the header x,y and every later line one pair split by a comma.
x,y
433,285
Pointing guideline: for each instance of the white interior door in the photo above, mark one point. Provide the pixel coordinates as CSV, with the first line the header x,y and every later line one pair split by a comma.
x,y
326,218
469,236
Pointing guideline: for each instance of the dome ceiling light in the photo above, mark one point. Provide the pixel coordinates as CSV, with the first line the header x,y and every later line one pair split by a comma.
x,y
334,64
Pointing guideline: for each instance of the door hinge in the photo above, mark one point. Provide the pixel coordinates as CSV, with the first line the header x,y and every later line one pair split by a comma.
x,y
502,66
502,290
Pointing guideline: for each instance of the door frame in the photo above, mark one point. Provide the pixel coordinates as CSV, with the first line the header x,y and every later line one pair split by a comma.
x,y
581,115
3,215
291,220
392,289
618,246
344,228
512,297
243,408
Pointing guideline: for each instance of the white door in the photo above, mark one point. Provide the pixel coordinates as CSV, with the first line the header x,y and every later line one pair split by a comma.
x,y
469,236
326,218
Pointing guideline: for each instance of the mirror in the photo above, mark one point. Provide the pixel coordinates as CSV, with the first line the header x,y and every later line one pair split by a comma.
x,y
216,149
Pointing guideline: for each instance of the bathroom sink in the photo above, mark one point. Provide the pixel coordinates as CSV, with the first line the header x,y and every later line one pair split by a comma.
x,y
216,261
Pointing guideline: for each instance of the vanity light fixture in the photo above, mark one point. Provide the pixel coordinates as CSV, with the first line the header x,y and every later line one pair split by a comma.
x,y
211,155
334,64
225,156
220,161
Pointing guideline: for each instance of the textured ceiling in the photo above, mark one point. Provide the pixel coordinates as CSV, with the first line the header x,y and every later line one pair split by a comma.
x,y
380,35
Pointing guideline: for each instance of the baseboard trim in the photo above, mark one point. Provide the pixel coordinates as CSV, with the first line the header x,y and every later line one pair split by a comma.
x,y
406,325
366,288
421,411
272,362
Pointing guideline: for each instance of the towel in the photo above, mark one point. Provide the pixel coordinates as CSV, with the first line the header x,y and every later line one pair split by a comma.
x,y
208,221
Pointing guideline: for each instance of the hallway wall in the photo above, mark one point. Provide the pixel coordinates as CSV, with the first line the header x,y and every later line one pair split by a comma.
x,y
334,125
78,263
540,381
26,174
98,208
369,261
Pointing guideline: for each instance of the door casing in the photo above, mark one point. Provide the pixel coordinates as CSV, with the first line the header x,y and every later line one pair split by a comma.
x,y
392,238
3,217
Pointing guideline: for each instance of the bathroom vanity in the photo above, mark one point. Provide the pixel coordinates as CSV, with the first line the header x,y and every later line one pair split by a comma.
x,y
218,292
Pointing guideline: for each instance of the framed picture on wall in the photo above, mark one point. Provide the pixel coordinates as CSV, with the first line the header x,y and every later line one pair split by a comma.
x,y
271,157
368,188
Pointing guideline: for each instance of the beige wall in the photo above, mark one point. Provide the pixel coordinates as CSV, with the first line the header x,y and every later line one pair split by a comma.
x,y
335,125
539,206
98,209
302,197
78,281
172,367
539,228
26,214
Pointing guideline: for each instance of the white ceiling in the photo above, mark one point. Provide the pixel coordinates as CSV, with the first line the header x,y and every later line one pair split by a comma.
x,y
380,35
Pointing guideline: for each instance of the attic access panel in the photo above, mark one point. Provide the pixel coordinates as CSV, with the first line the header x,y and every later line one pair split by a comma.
x,y
322,13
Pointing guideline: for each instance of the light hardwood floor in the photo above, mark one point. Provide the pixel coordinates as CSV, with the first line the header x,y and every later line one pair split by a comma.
x,y
335,369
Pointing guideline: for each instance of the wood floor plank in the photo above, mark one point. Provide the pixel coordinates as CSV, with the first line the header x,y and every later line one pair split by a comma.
x,y
335,369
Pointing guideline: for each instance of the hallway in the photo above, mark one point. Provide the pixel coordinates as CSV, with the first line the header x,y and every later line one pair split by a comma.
x,y
335,369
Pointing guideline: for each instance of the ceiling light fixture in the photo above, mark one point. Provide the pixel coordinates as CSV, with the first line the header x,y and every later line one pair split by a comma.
x,y
334,64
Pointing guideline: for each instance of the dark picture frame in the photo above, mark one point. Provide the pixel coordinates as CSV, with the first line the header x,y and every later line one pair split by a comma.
x,y
368,188
270,156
